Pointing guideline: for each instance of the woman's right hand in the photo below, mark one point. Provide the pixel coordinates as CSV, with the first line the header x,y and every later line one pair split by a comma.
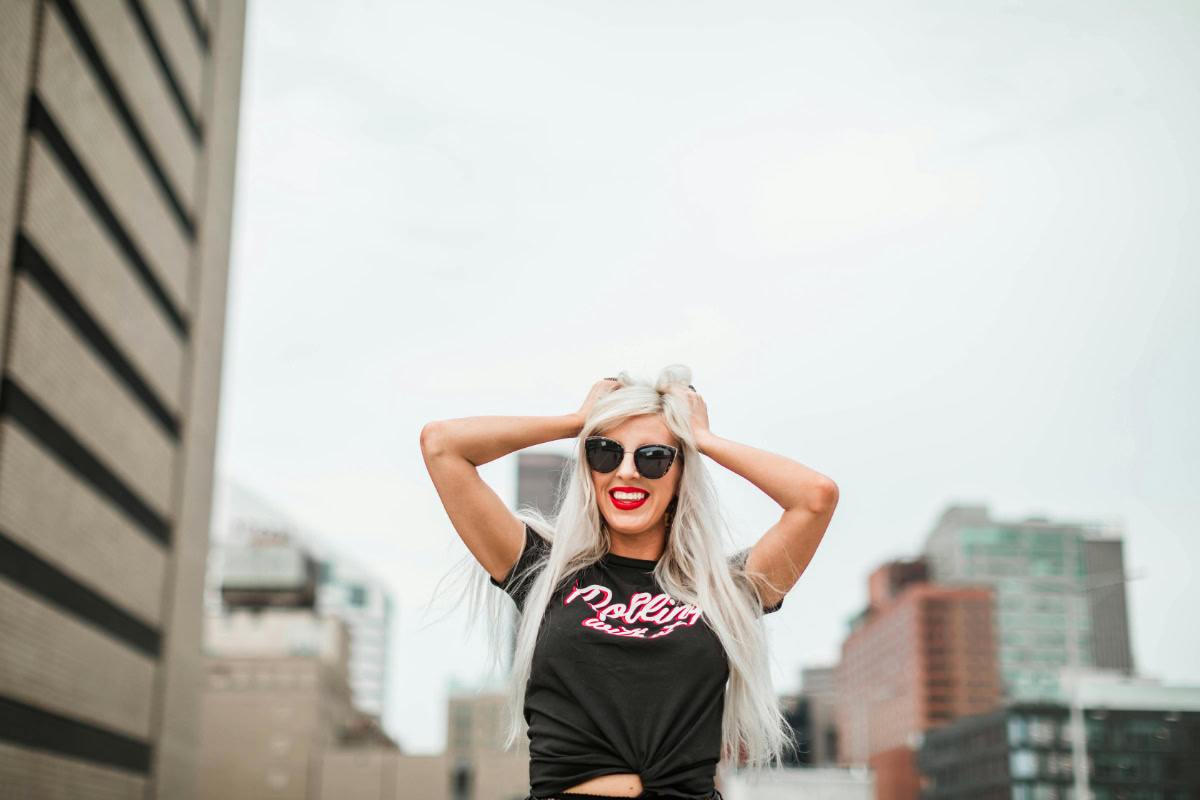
x,y
599,389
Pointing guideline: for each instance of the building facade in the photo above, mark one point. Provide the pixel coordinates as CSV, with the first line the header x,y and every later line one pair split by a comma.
x,y
539,479
276,697
267,564
481,769
1060,592
383,775
922,656
1142,743
118,129
356,598
818,687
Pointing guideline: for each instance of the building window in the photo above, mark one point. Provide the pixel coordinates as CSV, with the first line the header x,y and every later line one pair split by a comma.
x,y
358,596
1023,764
1016,730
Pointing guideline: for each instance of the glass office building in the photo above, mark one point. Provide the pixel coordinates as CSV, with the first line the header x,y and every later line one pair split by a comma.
x,y
1142,743
1060,592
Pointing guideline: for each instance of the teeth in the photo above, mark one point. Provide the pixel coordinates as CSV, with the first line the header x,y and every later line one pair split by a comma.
x,y
630,495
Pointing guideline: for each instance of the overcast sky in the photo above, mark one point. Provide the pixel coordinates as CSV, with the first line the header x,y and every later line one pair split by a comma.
x,y
940,252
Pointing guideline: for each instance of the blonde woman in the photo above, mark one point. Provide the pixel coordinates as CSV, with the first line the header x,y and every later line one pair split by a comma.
x,y
640,657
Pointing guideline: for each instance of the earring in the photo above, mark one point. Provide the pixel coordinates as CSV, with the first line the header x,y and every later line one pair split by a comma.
x,y
670,512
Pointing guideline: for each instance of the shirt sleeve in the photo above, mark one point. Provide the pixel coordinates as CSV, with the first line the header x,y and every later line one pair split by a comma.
x,y
739,558
534,548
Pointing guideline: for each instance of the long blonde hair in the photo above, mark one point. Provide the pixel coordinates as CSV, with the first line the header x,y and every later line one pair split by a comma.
x,y
692,569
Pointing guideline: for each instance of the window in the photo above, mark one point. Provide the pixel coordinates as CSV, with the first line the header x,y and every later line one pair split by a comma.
x,y
1058,604
1045,791
1016,730
358,596
1010,603
1046,566
1023,764
1042,730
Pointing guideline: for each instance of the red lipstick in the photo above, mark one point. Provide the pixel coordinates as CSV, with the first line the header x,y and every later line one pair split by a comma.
x,y
628,505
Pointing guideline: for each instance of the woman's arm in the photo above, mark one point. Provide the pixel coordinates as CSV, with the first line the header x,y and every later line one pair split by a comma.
x,y
454,448
808,499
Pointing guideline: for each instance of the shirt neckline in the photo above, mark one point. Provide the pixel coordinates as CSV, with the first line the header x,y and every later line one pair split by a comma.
x,y
644,564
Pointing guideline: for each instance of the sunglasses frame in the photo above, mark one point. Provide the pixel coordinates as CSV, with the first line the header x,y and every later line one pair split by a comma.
x,y
676,455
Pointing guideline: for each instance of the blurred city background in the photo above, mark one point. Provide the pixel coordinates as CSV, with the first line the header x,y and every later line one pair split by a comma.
x,y
936,251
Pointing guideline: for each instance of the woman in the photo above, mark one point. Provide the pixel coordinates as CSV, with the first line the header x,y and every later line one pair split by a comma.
x,y
632,621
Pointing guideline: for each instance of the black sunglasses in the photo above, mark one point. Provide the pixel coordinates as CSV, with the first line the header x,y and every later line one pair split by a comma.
x,y
652,460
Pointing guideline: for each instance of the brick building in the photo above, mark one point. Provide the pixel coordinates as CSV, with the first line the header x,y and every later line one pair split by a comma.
x,y
919,657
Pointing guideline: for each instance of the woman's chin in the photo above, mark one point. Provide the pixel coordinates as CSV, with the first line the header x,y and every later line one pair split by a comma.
x,y
629,523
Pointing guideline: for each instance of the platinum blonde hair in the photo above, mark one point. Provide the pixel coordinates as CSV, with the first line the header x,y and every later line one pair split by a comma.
x,y
693,569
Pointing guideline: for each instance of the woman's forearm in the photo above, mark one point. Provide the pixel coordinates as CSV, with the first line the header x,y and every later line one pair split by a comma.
x,y
483,439
787,482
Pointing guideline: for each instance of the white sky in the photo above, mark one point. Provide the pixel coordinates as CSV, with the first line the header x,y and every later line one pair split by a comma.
x,y
941,252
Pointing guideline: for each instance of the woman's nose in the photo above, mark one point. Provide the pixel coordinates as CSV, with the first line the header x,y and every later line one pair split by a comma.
x,y
627,469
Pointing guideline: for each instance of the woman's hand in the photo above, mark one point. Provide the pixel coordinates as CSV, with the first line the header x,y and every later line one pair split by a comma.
x,y
599,389
700,429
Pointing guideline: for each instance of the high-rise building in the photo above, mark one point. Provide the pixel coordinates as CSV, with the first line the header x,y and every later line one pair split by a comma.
x,y
356,598
118,128
1060,592
919,657
275,567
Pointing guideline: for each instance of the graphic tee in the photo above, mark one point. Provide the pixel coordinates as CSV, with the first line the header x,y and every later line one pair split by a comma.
x,y
623,679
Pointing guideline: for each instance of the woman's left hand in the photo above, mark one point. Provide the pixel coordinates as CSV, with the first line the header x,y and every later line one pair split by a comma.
x,y
700,429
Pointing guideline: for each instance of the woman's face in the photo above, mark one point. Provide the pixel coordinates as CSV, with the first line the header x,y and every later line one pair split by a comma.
x,y
632,434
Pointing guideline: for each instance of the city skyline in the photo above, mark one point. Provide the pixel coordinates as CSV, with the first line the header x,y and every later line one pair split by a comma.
x,y
937,255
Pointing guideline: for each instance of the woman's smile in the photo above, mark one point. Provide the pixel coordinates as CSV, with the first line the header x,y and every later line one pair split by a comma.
x,y
627,498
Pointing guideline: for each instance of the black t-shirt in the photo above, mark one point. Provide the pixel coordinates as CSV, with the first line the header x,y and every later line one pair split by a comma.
x,y
623,679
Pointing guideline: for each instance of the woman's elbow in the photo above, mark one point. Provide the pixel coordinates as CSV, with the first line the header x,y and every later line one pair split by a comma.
x,y
432,440
825,496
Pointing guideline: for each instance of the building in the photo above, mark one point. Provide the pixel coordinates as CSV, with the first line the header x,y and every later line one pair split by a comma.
x,y
267,564
920,656
118,129
481,769
383,775
796,715
1140,740
539,480
812,719
539,477
818,687
1060,592
356,598
276,698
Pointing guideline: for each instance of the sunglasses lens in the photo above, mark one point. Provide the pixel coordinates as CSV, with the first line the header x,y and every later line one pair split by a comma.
x,y
653,461
603,455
